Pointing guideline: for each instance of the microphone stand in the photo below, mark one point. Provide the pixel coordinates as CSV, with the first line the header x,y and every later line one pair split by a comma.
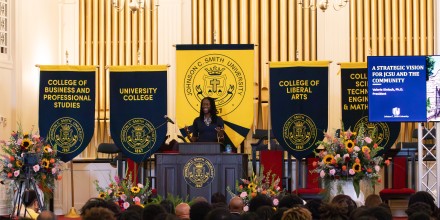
x,y
148,136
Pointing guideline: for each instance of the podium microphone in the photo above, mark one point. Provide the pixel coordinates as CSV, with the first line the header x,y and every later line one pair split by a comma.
x,y
168,119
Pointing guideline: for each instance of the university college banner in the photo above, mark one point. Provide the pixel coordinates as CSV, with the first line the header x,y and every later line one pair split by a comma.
x,y
67,108
299,104
138,104
354,89
223,72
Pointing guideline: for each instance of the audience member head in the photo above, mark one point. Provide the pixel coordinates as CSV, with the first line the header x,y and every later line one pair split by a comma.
x,y
200,199
297,213
345,201
168,206
373,200
46,215
249,216
218,197
423,196
182,211
419,207
152,210
130,215
219,214
333,211
290,200
98,213
279,213
265,212
97,202
236,205
258,201
166,216
136,208
359,212
199,210
419,216
313,206
380,212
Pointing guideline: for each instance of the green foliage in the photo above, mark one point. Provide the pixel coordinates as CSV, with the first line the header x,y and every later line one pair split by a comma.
x,y
430,62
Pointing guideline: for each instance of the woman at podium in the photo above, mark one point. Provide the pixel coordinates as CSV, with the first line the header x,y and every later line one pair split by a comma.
x,y
208,127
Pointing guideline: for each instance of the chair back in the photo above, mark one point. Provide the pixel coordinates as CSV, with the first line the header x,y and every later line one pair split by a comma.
x,y
400,172
273,160
312,178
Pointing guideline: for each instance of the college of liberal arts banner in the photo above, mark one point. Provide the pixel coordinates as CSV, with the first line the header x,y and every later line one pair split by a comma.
x,y
223,72
299,104
138,106
67,108
354,89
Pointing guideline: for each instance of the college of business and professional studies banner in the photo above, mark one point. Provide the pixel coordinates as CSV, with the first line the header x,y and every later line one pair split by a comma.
x,y
354,89
67,108
223,72
138,104
397,88
299,104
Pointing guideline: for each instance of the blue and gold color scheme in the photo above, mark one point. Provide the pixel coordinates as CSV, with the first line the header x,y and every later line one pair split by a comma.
x,y
354,94
223,72
299,104
67,108
138,103
198,172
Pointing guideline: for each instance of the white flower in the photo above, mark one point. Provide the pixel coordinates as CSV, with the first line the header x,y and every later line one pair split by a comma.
x,y
275,202
246,208
243,194
126,205
356,148
337,156
377,168
16,173
36,168
332,172
278,188
109,191
9,165
140,185
49,149
345,156
322,174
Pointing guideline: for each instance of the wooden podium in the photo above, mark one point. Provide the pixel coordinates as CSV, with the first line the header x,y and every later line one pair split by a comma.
x,y
199,169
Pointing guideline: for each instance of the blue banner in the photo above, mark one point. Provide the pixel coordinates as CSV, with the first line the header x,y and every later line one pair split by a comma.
x,y
397,88
299,104
67,108
354,95
138,105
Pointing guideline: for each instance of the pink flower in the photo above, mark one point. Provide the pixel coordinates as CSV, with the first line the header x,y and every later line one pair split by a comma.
x,y
123,197
377,168
322,174
356,148
140,185
246,208
332,172
126,205
36,168
278,188
9,165
368,140
16,173
109,191
117,180
54,170
136,199
275,202
243,194
351,172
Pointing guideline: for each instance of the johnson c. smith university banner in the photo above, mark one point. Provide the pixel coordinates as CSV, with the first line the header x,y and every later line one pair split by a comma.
x,y
138,104
223,72
354,94
67,108
299,104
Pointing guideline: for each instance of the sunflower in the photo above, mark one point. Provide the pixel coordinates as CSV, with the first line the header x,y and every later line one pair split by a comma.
x,y
45,163
26,143
135,189
101,195
328,159
120,193
349,144
357,167
19,163
251,186
365,149
46,149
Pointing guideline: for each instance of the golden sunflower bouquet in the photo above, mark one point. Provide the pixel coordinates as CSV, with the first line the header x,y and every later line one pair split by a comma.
x,y
259,183
124,192
350,156
26,156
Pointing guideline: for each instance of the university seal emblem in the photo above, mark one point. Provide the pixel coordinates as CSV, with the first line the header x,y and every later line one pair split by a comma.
x,y
198,172
138,136
299,132
219,77
66,134
378,131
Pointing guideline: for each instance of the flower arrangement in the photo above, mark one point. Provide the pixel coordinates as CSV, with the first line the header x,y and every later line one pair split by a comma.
x,y
351,156
124,192
259,183
27,156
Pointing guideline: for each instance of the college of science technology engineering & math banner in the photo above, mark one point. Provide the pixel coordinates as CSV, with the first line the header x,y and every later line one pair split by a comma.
x,y
397,88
